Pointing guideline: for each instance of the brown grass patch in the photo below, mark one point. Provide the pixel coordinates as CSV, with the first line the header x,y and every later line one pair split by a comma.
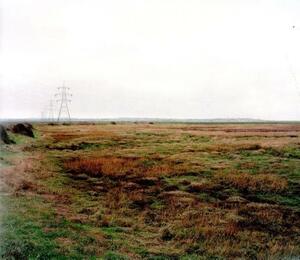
x,y
263,216
259,182
60,137
116,167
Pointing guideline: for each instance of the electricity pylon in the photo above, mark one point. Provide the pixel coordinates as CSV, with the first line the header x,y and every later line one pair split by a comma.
x,y
51,111
63,97
43,116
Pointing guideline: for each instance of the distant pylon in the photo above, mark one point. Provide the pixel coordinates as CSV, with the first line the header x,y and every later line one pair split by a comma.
x,y
51,111
63,98
42,115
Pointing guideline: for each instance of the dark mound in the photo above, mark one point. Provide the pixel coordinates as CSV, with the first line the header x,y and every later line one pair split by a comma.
x,y
4,136
28,125
23,129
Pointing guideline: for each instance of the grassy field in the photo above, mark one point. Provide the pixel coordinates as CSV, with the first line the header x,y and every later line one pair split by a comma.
x,y
152,191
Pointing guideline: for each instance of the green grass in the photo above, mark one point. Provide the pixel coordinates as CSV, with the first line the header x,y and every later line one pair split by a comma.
x,y
20,139
111,255
23,236
292,200
32,230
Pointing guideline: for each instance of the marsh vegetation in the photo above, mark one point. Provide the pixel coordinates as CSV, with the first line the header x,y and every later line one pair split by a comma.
x,y
153,191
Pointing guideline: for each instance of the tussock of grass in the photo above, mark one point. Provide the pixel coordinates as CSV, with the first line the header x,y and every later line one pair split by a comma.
x,y
117,167
254,183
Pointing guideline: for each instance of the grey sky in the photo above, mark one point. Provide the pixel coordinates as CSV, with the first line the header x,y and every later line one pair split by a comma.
x,y
155,58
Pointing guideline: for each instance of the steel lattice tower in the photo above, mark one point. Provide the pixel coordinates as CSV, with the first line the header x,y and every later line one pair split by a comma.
x,y
63,97
51,111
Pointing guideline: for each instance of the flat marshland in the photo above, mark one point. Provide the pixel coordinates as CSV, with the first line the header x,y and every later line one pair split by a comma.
x,y
153,191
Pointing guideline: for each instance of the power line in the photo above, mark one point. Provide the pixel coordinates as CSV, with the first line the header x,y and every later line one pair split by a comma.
x,y
63,97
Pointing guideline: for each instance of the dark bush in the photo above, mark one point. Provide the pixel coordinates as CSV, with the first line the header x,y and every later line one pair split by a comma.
x,y
23,129
4,136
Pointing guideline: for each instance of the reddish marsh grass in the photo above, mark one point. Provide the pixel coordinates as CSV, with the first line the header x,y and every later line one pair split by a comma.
x,y
116,167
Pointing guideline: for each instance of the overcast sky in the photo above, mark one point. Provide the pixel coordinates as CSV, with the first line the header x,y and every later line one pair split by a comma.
x,y
154,58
